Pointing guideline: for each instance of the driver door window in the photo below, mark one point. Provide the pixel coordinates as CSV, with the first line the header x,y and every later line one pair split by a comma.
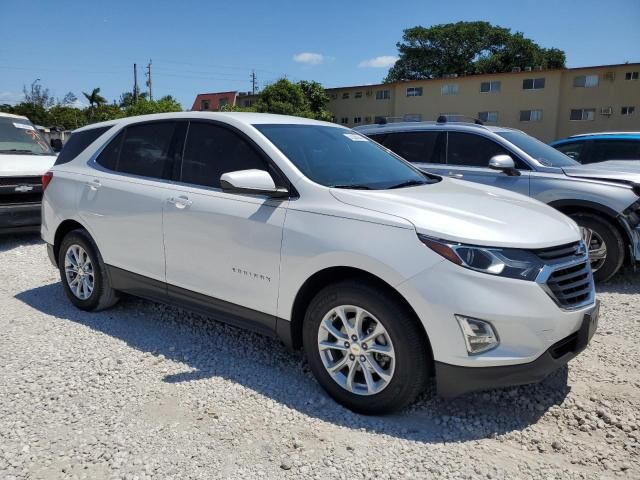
x,y
212,150
468,158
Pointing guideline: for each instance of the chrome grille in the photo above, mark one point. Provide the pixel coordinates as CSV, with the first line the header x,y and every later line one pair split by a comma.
x,y
567,276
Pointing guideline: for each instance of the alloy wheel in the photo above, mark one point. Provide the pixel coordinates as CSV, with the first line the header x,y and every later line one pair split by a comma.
x,y
79,271
596,246
356,350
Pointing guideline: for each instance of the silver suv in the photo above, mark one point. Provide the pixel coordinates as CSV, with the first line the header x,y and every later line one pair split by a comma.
x,y
602,199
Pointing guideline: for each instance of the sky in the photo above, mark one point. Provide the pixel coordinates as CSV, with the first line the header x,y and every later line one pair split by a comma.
x,y
212,46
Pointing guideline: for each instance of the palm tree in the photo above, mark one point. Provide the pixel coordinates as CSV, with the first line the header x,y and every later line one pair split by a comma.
x,y
95,99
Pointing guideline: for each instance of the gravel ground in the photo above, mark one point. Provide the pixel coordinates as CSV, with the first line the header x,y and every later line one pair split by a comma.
x,y
146,391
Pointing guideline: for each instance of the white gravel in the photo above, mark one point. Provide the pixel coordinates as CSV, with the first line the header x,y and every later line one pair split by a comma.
x,y
146,391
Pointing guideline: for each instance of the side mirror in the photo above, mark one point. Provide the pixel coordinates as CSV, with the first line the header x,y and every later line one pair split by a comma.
x,y
505,164
252,182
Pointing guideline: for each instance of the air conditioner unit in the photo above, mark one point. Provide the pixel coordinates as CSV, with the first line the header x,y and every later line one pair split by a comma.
x,y
611,76
606,111
527,69
516,69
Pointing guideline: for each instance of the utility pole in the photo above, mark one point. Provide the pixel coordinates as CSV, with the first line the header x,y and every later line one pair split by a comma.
x,y
254,82
149,82
135,83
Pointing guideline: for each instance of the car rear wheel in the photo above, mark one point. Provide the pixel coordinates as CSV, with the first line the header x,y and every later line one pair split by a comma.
x,y
605,245
83,273
365,349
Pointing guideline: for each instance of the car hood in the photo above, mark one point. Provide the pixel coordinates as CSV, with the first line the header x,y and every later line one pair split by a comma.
x,y
624,171
470,213
25,165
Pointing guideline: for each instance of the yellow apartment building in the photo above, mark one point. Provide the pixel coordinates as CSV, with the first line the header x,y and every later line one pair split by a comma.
x,y
547,104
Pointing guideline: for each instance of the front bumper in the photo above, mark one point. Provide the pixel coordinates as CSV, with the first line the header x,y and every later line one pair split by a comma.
x,y
16,218
454,380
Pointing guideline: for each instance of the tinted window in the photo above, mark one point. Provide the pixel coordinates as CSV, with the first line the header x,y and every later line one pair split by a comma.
x,y
472,150
603,150
574,150
146,150
212,150
77,144
337,157
425,147
542,152
108,158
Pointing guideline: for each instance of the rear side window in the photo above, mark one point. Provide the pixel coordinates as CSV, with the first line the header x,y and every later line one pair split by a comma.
x,y
77,143
108,158
212,150
418,147
574,150
603,150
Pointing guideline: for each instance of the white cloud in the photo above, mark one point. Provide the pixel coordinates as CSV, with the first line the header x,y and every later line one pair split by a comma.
x,y
309,58
384,61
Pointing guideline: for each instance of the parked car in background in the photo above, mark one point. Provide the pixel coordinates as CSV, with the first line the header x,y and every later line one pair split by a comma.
x,y
24,157
600,147
312,232
604,202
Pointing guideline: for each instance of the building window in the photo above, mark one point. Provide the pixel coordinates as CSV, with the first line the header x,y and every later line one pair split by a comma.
x,y
626,111
530,115
586,81
248,103
632,75
414,91
367,119
344,120
345,95
582,114
357,119
358,95
486,87
222,103
204,105
533,83
488,116
383,95
449,89
334,96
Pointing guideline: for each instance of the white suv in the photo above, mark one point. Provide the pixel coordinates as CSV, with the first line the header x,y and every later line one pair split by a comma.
x,y
385,275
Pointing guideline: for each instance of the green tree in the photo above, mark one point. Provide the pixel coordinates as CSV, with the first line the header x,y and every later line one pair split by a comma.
x,y
38,95
127,98
144,106
67,117
302,99
103,112
467,48
34,112
69,99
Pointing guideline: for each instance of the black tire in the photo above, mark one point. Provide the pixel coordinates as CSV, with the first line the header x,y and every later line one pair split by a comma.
x,y
413,363
611,238
102,296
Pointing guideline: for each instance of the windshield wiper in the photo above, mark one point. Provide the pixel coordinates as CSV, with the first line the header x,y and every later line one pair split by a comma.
x,y
354,187
16,150
408,183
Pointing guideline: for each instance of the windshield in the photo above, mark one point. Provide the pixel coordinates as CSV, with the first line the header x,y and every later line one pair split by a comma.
x,y
19,136
336,157
546,155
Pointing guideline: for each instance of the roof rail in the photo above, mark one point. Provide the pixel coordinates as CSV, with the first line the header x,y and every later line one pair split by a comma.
x,y
458,119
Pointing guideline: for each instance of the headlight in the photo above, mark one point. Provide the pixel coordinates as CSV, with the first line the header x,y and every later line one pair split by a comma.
x,y
503,262
632,214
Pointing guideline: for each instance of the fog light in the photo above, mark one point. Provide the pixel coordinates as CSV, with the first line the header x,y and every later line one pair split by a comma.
x,y
479,336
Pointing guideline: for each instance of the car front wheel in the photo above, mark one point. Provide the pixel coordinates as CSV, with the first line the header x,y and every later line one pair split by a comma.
x,y
365,348
605,244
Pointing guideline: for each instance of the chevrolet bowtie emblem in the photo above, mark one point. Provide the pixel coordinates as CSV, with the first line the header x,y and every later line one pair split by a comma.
x,y
23,188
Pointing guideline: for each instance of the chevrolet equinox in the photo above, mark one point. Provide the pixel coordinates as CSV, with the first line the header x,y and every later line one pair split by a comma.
x,y
385,275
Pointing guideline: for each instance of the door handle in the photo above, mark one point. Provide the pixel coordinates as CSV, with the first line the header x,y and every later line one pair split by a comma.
x,y
94,184
180,202
456,175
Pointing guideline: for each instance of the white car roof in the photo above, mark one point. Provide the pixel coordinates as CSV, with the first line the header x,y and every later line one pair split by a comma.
x,y
248,118
11,115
